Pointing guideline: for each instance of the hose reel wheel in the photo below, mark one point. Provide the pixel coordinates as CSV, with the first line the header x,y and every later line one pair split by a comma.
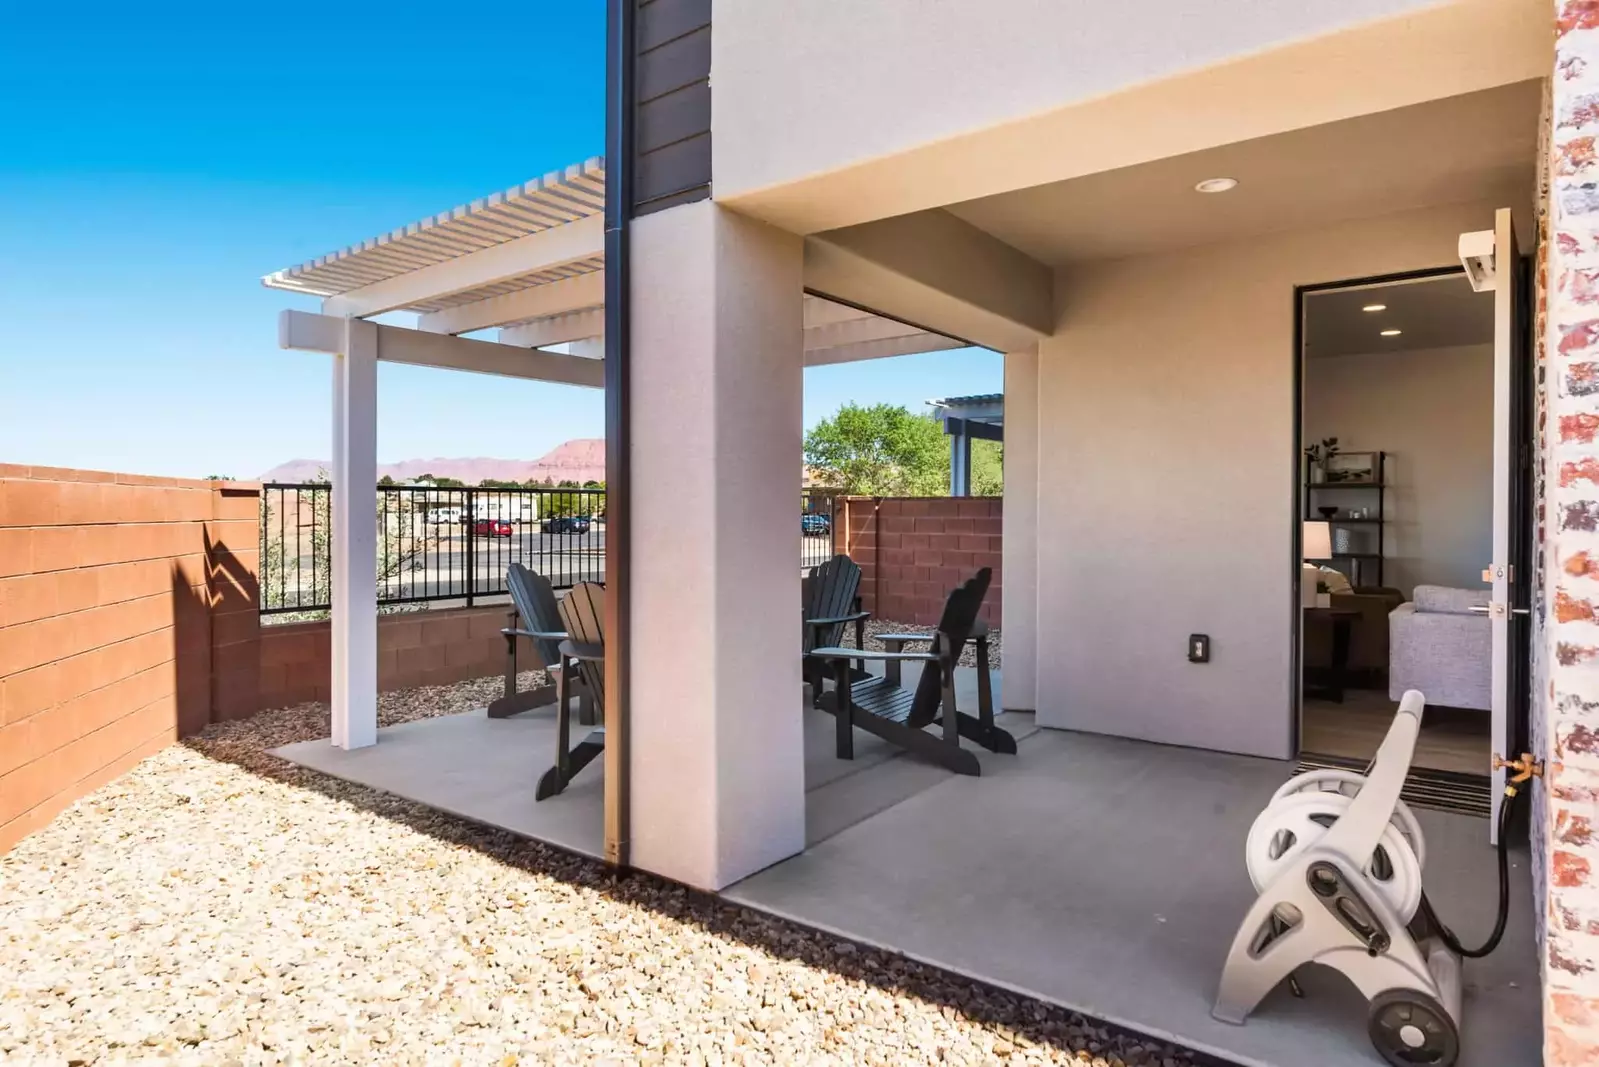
x,y
1289,826
1411,1029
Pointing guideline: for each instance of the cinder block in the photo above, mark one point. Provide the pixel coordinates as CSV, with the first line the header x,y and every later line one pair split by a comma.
x,y
16,551
29,503
399,632
56,548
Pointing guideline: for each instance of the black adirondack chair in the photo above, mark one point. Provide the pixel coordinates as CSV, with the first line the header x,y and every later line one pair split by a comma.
x,y
582,661
881,706
537,618
831,593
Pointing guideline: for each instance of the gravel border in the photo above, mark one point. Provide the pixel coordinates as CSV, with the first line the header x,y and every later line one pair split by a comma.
x,y
218,905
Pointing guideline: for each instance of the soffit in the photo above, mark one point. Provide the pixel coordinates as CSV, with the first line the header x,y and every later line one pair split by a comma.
x,y
1473,147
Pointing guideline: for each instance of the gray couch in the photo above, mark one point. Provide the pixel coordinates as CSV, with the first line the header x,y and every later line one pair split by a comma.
x,y
1439,645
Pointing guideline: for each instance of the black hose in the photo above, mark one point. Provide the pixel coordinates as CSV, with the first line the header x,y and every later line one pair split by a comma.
x,y
1447,935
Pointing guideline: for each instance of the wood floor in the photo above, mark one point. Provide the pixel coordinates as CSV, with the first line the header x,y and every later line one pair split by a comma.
x,y
1452,739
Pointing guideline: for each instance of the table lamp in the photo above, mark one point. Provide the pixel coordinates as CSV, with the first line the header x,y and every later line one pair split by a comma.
x,y
1316,543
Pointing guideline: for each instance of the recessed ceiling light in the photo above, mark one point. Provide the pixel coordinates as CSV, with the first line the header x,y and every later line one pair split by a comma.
x,y
1392,333
1375,307
1216,185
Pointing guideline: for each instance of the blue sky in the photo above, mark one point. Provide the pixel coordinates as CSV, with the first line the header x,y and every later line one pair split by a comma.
x,y
158,159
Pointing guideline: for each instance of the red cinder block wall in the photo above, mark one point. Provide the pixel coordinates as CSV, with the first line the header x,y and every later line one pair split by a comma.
x,y
414,648
130,617
913,550
118,594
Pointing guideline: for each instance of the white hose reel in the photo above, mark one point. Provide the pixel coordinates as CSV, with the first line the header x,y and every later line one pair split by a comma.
x,y
1306,806
1336,858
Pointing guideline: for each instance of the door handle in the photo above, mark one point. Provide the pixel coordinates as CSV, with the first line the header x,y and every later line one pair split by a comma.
x,y
1497,610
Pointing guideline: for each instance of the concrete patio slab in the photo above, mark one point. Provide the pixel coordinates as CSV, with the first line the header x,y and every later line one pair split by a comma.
x,y
486,770
1108,876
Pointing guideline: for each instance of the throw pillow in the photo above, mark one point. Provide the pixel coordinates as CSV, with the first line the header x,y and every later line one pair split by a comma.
x,y
1335,580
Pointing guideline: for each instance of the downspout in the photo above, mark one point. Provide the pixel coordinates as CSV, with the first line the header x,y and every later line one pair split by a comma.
x,y
619,95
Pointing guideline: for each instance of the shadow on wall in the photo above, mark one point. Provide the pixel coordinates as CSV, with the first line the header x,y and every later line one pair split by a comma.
x,y
215,640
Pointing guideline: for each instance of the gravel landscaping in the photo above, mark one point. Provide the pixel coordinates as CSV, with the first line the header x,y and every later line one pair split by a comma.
x,y
219,906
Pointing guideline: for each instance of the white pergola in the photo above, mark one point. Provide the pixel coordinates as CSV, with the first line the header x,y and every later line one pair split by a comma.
x,y
527,263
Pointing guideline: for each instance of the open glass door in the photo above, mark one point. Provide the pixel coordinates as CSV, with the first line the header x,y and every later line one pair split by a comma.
x,y
1509,570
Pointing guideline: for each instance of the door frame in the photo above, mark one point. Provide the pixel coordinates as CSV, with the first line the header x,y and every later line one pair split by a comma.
x,y
1519,708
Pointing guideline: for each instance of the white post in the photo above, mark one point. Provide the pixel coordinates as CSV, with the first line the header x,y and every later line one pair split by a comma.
x,y
960,462
354,556
1019,685
717,745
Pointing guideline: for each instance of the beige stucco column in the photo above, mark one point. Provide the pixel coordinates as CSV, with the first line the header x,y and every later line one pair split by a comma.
x,y
1019,690
716,752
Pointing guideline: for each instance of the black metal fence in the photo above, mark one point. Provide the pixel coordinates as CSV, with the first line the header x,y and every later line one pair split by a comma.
x,y
816,526
454,544
433,543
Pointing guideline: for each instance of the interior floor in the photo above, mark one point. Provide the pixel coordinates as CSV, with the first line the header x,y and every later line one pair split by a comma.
x,y
1452,739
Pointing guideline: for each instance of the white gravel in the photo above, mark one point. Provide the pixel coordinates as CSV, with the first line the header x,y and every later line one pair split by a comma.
x,y
218,906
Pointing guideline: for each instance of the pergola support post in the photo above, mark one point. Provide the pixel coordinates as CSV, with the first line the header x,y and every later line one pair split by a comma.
x,y
960,460
354,628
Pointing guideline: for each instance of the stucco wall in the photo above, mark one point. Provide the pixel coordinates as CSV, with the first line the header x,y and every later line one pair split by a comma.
x,y
1166,478
919,103
1432,411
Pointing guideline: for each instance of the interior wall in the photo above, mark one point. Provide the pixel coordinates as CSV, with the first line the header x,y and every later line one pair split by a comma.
x,y
1167,498
1431,410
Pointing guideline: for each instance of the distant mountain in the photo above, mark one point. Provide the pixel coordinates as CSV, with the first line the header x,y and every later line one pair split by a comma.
x,y
582,460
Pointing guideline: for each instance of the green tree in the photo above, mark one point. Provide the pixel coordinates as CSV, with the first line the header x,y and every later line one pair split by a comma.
x,y
387,479
882,450
988,468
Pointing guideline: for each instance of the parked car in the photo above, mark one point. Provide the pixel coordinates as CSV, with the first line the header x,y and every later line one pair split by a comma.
x,y
491,528
816,525
440,516
574,524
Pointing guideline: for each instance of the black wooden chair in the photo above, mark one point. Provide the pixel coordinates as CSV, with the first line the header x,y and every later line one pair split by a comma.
x,y
536,617
831,594
882,707
582,662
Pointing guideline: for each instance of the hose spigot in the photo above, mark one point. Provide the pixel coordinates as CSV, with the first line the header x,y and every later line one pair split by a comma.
x,y
1526,768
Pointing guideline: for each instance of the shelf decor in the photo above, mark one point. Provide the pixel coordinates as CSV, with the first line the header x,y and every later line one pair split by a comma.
x,y
1351,468
1333,475
1318,455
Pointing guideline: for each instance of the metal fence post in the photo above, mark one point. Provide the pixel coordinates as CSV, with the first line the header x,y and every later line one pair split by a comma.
x,y
471,552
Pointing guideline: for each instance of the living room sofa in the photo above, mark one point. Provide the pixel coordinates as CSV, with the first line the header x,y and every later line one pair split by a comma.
x,y
1439,645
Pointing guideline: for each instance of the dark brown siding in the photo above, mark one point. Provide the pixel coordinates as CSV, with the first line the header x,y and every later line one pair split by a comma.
x,y
672,125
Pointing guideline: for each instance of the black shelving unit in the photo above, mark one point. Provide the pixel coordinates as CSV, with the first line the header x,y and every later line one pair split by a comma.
x,y
1320,494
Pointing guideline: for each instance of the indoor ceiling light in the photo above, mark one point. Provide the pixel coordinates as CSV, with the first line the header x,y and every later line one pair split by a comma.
x,y
1392,333
1216,185
1375,307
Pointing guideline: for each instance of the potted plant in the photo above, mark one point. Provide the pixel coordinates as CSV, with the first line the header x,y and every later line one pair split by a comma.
x,y
1320,454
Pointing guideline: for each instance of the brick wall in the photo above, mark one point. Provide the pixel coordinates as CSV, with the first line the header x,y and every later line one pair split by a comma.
x,y
414,648
1565,712
913,550
108,596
